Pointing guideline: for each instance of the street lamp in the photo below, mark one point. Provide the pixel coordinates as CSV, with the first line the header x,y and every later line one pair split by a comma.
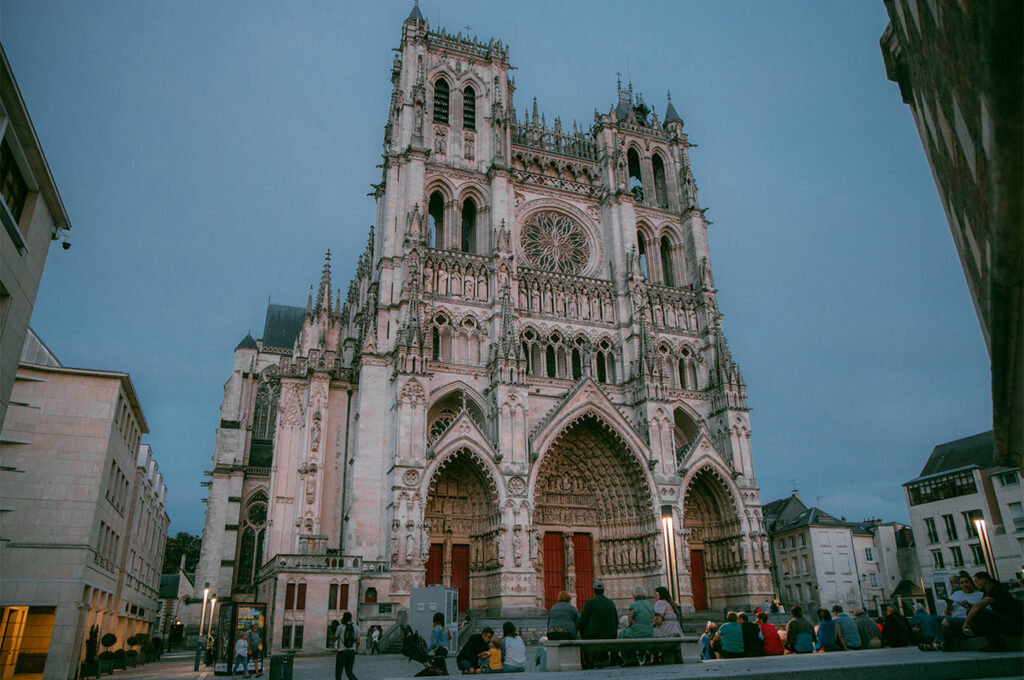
x,y
669,536
986,547
213,604
202,617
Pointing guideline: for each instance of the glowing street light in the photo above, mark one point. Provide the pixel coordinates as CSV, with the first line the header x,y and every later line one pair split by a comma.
x,y
202,617
669,536
986,547
213,604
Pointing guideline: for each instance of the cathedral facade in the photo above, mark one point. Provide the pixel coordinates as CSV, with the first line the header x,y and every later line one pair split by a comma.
x,y
525,389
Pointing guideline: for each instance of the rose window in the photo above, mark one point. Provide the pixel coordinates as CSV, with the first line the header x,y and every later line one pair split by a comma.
x,y
553,242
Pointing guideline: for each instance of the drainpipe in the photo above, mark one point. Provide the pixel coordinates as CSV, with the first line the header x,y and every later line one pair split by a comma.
x,y
344,475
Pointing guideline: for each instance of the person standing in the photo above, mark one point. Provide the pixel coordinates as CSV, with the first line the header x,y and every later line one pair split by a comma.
x,y
800,635
346,642
597,622
254,649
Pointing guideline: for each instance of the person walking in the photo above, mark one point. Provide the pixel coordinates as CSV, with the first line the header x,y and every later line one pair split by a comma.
x,y
241,654
346,642
254,649
800,636
563,619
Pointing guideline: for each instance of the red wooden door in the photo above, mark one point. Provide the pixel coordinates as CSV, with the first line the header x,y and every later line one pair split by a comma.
x,y
584,555
460,574
435,560
554,567
700,594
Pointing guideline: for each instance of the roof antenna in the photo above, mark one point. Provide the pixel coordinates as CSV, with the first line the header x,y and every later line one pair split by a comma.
x,y
793,483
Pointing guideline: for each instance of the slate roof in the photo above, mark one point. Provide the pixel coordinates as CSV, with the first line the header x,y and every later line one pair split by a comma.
x,y
282,325
960,453
781,511
248,342
786,514
670,113
415,13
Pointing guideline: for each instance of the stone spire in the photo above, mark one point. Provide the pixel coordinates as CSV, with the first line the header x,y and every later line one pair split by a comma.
x,y
323,293
309,303
670,113
508,344
411,334
415,14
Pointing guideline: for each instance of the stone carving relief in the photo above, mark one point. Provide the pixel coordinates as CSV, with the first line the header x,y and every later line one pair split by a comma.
x,y
516,486
469,146
410,477
441,141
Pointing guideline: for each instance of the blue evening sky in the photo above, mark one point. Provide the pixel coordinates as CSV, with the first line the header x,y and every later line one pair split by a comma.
x,y
209,152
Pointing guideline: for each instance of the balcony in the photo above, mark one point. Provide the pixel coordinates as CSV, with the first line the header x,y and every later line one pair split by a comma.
x,y
317,564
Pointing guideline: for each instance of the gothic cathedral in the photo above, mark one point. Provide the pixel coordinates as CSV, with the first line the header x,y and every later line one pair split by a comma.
x,y
526,388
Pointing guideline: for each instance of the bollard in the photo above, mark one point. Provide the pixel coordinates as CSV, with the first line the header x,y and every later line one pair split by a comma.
x,y
199,651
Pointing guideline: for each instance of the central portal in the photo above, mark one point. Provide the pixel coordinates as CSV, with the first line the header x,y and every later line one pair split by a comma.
x,y
594,509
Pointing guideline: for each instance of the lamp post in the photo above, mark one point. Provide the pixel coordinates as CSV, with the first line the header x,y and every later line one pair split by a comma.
x,y
669,536
200,640
213,604
986,548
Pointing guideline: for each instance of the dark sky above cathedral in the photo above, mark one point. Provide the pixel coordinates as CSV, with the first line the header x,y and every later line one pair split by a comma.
x,y
209,152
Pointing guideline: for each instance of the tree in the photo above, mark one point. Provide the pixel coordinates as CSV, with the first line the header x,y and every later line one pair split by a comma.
x,y
183,543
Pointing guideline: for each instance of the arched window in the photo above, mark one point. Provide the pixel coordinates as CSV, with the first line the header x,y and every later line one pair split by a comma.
x,y
636,182
435,339
660,188
667,275
441,101
550,360
253,530
435,219
577,364
469,108
642,248
469,226
264,420
682,375
602,372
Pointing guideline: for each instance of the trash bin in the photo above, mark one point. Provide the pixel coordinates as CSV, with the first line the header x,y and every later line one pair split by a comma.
x,y
281,666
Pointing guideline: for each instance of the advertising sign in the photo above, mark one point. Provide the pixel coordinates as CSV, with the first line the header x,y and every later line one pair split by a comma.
x,y
237,618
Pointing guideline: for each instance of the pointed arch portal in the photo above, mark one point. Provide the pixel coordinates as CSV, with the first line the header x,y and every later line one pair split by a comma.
x,y
715,538
594,510
462,508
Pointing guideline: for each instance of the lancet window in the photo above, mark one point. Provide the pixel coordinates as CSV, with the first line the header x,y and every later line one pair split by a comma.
x,y
642,251
469,226
660,188
667,273
636,182
455,343
604,362
435,219
252,531
441,94
469,108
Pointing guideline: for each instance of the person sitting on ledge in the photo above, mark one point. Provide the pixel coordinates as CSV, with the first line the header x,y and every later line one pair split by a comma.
x,y
800,636
995,615
870,634
728,640
641,623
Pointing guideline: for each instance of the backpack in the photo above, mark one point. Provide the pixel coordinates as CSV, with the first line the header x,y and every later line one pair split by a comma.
x,y
349,639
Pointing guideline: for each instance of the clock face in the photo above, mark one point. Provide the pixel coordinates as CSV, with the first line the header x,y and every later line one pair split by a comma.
x,y
554,242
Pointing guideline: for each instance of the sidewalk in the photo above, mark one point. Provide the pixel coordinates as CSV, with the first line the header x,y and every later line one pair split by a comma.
x,y
879,664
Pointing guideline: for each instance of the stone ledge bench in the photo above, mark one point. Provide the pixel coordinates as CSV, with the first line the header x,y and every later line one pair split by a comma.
x,y
564,655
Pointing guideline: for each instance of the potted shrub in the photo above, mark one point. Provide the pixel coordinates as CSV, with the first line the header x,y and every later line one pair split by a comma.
x,y
119,660
149,650
131,658
133,641
91,665
106,657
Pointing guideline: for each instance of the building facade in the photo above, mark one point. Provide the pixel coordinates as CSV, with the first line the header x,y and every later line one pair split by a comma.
x,y
84,528
526,388
959,484
959,69
32,214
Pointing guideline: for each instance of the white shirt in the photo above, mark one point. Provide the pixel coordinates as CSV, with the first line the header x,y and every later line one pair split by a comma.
x,y
241,647
339,643
515,651
959,610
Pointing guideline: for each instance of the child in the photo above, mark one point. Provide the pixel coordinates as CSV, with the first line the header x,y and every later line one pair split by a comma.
x,y
541,662
493,656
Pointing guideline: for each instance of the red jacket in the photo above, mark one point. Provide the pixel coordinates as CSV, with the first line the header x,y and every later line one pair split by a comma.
x,y
772,641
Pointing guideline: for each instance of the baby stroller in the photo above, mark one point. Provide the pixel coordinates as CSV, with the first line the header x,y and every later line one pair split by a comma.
x,y
415,649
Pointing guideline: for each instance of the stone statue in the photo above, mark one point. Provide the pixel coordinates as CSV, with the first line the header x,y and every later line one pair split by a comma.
x,y
410,547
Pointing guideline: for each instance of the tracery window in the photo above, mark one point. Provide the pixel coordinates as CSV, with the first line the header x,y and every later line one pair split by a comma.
x,y
553,242
252,531
264,420
660,188
469,108
642,251
441,101
667,274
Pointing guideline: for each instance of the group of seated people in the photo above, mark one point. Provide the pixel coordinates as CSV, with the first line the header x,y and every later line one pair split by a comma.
x,y
484,652
981,606
738,637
